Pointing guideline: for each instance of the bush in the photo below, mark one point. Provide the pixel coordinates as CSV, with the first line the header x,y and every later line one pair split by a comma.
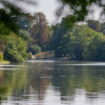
x,y
29,55
35,49
96,49
15,49
1,56
24,34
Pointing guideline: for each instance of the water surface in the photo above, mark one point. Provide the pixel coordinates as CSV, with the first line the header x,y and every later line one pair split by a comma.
x,y
47,82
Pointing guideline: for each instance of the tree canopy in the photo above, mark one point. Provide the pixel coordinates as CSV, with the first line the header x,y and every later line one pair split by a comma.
x,y
80,8
81,42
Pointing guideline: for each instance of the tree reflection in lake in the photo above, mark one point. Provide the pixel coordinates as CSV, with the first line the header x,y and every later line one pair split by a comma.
x,y
45,83
72,79
12,82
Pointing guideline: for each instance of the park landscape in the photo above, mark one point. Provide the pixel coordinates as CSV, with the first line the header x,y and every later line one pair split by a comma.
x,y
44,63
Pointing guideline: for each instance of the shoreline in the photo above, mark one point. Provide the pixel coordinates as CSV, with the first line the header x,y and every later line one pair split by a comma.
x,y
4,62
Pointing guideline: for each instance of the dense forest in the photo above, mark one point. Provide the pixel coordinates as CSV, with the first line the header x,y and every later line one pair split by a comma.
x,y
24,35
80,42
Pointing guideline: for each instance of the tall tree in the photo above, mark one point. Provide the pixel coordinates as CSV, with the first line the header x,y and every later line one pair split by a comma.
x,y
103,28
95,25
41,30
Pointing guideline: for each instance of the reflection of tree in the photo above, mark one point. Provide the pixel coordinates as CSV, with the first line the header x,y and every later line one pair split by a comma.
x,y
69,78
66,79
11,82
39,79
94,79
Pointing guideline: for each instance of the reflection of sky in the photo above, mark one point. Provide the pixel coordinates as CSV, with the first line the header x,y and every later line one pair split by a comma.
x,y
102,64
53,97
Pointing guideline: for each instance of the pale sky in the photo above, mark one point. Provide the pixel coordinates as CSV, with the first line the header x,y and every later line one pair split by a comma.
x,y
49,7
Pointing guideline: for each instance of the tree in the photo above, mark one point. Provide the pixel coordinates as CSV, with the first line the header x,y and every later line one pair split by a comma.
x,y
57,38
15,49
103,28
96,49
41,30
34,49
79,7
75,42
95,25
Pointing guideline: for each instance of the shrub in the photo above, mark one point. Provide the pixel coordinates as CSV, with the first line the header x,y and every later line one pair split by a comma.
x,y
15,49
1,56
35,49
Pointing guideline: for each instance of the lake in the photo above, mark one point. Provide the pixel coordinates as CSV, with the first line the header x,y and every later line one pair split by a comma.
x,y
49,82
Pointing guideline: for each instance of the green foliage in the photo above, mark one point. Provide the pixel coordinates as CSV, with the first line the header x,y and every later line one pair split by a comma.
x,y
41,31
80,8
1,56
96,49
69,21
15,49
29,56
95,25
7,19
79,43
56,41
103,28
24,34
3,29
35,49
35,30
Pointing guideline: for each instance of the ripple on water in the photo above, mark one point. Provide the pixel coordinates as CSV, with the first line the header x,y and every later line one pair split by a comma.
x,y
10,67
38,61
83,64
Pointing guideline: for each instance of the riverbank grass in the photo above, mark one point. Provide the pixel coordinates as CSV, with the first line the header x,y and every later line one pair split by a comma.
x,y
4,62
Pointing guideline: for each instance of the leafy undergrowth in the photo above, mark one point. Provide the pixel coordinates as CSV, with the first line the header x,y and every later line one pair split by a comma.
x,y
43,55
4,62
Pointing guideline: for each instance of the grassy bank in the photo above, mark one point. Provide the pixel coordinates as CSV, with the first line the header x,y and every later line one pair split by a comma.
x,y
4,62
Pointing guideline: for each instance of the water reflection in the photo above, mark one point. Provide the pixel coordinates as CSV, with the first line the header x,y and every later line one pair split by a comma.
x,y
52,83
11,82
